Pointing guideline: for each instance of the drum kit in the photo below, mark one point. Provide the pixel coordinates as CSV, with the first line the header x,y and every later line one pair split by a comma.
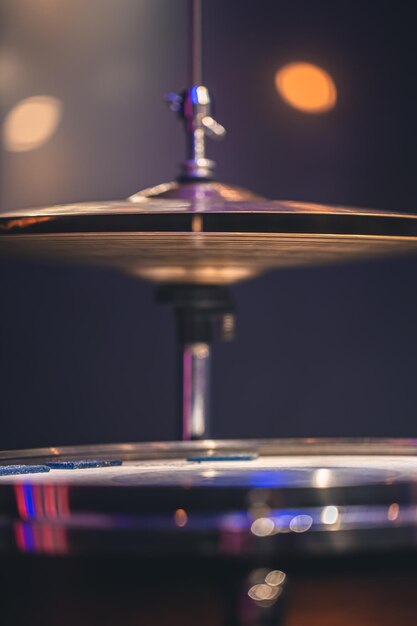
x,y
244,532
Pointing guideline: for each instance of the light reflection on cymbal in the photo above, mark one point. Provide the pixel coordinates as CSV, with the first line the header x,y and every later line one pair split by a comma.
x,y
180,518
330,515
263,526
263,592
275,578
393,512
301,523
322,478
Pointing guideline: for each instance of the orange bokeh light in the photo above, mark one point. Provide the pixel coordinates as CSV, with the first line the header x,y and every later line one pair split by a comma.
x,y
306,87
180,518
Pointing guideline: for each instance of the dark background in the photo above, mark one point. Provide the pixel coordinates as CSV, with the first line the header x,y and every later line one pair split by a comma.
x,y
86,354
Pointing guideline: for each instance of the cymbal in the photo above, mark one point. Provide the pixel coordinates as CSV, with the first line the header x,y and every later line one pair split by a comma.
x,y
148,493
284,463
160,533
207,240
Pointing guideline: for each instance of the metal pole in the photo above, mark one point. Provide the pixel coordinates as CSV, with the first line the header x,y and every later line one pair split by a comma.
x,y
203,313
196,360
195,39
194,106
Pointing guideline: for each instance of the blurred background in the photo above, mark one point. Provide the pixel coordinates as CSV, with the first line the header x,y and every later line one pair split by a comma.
x,y
86,355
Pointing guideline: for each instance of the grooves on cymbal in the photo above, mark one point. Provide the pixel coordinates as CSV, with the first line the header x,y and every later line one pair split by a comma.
x,y
167,241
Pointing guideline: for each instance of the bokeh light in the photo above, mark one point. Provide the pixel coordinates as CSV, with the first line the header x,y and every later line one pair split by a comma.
x,y
301,523
329,515
393,511
180,518
322,478
275,578
263,592
31,123
263,527
306,87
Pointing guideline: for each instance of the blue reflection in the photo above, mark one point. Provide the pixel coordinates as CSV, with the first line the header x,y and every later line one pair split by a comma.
x,y
29,500
28,537
274,478
194,95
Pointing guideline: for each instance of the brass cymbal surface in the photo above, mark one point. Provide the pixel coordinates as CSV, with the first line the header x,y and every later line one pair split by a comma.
x,y
209,241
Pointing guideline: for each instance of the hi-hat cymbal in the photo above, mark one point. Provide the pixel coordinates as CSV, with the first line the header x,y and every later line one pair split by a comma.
x,y
210,240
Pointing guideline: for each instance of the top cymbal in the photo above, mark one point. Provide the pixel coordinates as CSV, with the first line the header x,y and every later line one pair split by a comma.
x,y
206,238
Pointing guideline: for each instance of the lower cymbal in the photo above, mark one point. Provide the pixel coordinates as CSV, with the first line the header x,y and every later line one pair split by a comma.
x,y
168,498
220,242
225,470
301,532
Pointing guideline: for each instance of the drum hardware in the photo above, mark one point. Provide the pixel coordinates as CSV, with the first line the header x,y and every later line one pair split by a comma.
x,y
196,530
195,237
268,532
202,312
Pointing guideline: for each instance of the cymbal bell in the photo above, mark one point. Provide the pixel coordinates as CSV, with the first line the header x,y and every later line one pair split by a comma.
x,y
208,234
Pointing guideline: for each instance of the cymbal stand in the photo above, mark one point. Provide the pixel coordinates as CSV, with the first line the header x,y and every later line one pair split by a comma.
x,y
200,309
201,312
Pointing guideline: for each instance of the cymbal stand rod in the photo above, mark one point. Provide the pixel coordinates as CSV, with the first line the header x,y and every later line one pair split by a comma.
x,y
194,107
196,42
196,362
202,312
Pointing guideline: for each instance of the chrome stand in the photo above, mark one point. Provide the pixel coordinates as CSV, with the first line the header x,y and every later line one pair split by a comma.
x,y
201,312
194,107
199,308
196,361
